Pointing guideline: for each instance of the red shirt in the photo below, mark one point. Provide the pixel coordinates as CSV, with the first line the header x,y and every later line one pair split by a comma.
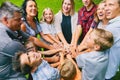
x,y
85,19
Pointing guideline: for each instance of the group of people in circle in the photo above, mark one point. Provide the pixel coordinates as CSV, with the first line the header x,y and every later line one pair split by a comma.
x,y
68,45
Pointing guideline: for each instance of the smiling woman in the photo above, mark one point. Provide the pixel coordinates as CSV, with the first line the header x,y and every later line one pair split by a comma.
x,y
55,5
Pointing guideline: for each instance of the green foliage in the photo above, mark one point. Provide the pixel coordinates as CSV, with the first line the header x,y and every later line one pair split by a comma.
x,y
55,5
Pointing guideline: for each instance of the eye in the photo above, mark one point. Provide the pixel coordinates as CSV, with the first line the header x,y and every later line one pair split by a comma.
x,y
28,57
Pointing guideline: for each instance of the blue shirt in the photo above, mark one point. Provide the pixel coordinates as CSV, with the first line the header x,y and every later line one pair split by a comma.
x,y
114,52
93,64
9,46
31,31
46,72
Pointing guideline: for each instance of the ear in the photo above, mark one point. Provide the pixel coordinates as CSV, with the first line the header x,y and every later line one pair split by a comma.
x,y
5,20
96,47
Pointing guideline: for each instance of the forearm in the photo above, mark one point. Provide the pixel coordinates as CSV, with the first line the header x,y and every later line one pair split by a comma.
x,y
50,52
54,39
39,43
77,33
52,59
60,35
47,38
55,64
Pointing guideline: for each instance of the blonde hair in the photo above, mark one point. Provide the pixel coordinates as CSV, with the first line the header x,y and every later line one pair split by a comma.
x,y
43,19
103,38
72,11
68,70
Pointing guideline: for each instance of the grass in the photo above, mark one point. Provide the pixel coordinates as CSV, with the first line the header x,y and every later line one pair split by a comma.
x,y
55,5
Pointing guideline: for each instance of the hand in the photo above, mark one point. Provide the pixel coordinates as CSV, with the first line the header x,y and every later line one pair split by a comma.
x,y
68,56
81,48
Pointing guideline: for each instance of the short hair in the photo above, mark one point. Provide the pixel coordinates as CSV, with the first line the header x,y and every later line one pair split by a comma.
x,y
103,38
68,70
117,1
18,66
7,9
73,6
30,45
43,19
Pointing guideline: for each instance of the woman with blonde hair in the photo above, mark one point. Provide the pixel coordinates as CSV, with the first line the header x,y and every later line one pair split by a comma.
x,y
66,22
48,29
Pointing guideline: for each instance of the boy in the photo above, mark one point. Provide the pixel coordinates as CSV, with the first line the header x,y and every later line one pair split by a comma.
x,y
32,62
94,63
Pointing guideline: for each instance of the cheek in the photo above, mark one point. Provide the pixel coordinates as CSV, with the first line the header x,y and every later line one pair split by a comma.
x,y
27,10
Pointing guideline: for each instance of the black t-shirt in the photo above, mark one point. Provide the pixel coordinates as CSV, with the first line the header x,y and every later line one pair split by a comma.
x,y
66,28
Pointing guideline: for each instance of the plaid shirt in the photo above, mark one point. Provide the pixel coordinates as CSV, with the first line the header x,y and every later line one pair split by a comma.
x,y
85,18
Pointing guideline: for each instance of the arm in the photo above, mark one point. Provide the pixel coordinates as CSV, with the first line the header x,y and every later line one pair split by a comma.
x,y
50,52
78,74
45,37
55,39
61,60
77,34
23,27
52,59
39,43
60,35
55,64
82,44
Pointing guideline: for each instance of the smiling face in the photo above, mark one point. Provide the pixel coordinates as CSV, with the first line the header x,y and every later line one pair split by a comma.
x,y
15,22
101,11
112,9
48,15
31,58
66,7
31,8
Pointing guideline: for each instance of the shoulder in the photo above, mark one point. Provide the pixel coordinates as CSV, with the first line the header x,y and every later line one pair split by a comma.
x,y
13,47
58,14
23,27
75,14
82,9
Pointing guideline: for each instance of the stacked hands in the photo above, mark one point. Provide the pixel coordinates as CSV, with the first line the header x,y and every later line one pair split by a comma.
x,y
72,50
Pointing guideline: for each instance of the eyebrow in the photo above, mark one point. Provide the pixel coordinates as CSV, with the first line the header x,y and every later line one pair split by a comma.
x,y
29,48
28,57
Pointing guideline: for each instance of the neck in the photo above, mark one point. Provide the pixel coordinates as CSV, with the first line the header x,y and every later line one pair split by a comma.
x,y
66,14
30,18
105,22
90,7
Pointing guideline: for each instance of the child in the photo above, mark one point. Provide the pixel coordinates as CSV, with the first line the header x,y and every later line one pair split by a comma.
x,y
68,68
48,28
94,63
31,62
55,58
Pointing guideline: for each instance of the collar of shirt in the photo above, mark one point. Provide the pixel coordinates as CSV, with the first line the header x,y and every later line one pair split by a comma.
x,y
114,20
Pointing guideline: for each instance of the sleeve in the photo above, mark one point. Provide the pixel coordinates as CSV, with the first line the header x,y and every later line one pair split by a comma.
x,y
80,60
44,28
74,21
39,28
57,22
79,22
94,24
12,47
